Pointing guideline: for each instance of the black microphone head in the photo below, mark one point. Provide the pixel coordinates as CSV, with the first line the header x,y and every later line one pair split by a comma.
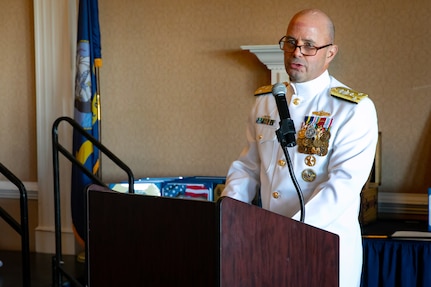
x,y
279,89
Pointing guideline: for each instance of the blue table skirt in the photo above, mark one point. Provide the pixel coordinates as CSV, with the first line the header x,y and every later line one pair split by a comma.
x,y
389,262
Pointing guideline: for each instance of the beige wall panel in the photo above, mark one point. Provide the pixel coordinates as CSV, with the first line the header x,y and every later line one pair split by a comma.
x,y
10,239
17,95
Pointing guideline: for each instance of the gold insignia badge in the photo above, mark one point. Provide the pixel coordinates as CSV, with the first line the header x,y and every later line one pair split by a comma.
x,y
322,114
266,89
348,94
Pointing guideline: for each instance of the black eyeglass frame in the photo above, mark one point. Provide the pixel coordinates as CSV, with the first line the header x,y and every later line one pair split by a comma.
x,y
284,40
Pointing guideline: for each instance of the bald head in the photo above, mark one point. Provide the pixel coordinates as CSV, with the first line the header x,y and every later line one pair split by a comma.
x,y
319,17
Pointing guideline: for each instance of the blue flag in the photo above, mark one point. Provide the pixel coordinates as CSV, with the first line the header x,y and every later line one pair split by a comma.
x,y
87,109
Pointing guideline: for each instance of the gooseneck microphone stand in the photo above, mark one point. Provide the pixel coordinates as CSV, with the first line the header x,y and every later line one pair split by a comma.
x,y
286,137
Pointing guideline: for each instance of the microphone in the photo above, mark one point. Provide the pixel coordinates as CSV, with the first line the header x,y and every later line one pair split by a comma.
x,y
286,132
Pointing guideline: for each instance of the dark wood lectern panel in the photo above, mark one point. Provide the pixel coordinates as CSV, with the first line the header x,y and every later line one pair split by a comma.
x,y
137,240
260,248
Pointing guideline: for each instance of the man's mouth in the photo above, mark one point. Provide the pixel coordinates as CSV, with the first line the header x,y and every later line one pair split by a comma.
x,y
296,66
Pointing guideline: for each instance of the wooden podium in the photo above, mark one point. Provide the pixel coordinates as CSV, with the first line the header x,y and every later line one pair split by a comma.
x,y
137,240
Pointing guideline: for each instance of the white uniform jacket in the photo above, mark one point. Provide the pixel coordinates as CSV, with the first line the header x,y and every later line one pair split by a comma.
x,y
331,179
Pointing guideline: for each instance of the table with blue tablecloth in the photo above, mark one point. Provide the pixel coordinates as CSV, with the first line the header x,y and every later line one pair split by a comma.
x,y
394,262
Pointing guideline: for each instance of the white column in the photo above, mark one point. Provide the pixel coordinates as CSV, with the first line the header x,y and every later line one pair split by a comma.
x,y
55,46
272,57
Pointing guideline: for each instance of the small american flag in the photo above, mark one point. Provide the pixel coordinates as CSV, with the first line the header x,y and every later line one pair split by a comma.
x,y
186,190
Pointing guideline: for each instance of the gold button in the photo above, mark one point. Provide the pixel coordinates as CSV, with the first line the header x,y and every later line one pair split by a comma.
x,y
260,137
276,194
296,101
281,162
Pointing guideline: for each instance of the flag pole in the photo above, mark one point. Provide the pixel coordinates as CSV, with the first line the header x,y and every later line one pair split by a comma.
x,y
97,65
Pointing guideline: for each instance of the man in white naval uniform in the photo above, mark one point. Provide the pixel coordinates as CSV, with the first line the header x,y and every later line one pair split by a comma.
x,y
336,134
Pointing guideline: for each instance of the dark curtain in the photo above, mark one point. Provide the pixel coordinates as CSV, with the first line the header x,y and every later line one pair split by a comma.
x,y
396,263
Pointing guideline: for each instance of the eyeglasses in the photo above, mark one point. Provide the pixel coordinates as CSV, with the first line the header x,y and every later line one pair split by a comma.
x,y
290,46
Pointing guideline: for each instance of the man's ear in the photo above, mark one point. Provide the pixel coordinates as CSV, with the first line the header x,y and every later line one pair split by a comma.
x,y
330,54
332,51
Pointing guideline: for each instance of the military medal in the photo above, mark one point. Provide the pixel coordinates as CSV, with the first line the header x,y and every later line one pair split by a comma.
x,y
325,136
301,134
310,132
310,160
308,175
314,135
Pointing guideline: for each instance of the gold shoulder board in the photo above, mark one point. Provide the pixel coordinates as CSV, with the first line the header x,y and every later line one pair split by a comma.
x,y
348,94
266,89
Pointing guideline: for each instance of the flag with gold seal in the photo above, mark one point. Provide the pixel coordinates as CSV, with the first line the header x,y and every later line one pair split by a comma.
x,y
86,108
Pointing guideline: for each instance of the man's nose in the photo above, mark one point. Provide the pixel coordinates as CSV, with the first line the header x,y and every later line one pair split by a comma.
x,y
297,51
